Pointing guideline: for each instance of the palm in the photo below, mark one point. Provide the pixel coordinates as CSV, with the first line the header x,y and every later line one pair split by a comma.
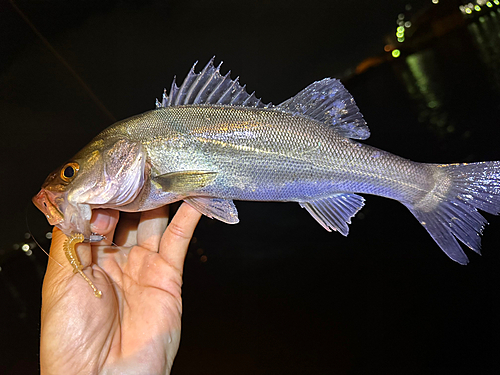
x,y
135,326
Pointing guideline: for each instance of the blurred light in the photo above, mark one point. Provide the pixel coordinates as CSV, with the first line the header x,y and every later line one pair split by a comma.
x,y
401,22
400,29
16,246
435,1
477,8
48,235
25,247
29,253
401,40
408,7
199,251
388,48
400,35
0,269
27,235
396,53
203,258
468,11
407,24
496,2
401,16
489,5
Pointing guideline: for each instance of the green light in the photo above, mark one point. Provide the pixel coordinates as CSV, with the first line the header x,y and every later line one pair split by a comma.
x,y
477,8
489,5
468,11
400,35
400,29
496,2
396,53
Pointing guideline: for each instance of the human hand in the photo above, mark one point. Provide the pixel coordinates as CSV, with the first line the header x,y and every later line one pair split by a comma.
x,y
135,327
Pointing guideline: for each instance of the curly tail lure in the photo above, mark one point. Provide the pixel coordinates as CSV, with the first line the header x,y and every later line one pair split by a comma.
x,y
69,250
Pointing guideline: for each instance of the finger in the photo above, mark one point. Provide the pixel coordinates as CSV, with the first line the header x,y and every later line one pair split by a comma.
x,y
151,228
104,222
126,231
175,241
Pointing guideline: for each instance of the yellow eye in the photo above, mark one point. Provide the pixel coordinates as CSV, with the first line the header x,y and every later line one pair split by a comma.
x,y
69,171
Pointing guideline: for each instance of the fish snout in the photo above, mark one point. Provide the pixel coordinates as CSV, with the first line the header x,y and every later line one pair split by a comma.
x,y
44,204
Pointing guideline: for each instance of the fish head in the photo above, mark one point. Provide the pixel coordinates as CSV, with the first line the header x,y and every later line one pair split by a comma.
x,y
105,174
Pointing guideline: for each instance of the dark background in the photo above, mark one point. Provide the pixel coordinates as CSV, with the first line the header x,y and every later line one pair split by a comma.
x,y
276,293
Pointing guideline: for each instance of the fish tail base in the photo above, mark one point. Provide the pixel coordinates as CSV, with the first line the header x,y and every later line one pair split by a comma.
x,y
450,210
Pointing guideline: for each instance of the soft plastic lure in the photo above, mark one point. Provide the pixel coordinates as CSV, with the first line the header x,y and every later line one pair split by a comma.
x,y
69,249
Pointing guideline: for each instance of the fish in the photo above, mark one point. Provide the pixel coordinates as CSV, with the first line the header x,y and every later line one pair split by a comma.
x,y
209,142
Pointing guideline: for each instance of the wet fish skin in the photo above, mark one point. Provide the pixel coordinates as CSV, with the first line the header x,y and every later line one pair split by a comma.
x,y
303,160
209,143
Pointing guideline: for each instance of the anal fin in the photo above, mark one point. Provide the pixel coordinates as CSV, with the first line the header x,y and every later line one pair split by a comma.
x,y
336,211
215,208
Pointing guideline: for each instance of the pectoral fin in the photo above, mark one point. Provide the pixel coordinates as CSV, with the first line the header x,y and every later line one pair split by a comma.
x,y
184,182
335,212
215,208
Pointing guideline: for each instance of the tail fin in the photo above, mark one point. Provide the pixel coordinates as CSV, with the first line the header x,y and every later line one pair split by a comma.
x,y
449,211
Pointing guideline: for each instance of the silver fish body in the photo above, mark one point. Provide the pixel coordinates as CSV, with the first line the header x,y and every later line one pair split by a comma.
x,y
265,155
209,143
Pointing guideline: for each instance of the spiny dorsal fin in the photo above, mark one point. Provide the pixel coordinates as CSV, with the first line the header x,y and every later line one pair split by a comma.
x,y
210,87
329,102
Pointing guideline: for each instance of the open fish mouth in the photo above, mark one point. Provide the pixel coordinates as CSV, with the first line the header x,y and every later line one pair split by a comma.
x,y
43,202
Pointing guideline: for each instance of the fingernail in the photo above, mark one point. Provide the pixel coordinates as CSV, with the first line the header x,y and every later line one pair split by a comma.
x,y
100,222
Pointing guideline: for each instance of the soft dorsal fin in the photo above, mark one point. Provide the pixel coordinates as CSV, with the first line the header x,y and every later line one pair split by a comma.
x,y
210,87
329,102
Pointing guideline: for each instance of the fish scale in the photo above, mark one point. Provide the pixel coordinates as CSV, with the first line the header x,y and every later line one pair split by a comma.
x,y
303,158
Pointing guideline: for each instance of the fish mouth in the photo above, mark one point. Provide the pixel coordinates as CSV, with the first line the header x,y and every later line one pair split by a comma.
x,y
43,202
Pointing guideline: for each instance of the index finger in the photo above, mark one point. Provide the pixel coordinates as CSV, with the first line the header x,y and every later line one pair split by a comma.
x,y
175,241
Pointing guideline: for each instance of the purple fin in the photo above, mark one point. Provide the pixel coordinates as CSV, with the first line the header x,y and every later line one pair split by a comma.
x,y
329,102
454,216
215,208
209,87
335,212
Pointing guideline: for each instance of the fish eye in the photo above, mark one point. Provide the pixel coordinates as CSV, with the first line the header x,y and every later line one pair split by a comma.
x,y
69,171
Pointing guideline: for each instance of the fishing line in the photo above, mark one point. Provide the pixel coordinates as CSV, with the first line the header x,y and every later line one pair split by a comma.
x,y
64,62
34,239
